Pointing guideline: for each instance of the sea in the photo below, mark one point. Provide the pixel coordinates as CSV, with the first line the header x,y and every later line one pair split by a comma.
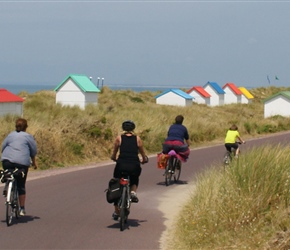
x,y
32,88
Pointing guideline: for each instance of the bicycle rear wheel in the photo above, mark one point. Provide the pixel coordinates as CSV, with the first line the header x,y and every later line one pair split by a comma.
x,y
177,170
9,205
123,216
16,205
168,171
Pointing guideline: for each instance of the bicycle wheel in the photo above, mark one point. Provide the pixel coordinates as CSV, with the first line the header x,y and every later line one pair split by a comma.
x,y
177,169
9,205
227,159
123,209
168,171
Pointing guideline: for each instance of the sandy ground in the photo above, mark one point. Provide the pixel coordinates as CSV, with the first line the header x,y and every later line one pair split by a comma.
x,y
171,204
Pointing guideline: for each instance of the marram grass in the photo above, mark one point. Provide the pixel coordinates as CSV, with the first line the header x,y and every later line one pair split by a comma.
x,y
245,206
68,135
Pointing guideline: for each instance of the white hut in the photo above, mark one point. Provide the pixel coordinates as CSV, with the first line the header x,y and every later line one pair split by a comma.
x,y
10,103
77,90
199,95
174,97
216,93
278,104
232,93
247,97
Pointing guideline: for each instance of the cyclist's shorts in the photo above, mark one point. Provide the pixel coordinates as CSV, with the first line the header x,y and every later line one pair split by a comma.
x,y
229,146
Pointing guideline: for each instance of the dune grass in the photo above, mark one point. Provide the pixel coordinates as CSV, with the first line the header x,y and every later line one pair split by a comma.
x,y
244,207
69,136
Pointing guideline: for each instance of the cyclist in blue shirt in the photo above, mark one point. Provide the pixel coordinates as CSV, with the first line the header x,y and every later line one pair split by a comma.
x,y
177,138
18,151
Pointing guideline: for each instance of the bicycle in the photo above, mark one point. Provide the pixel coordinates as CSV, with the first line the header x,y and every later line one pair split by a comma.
x,y
124,202
228,156
10,192
173,168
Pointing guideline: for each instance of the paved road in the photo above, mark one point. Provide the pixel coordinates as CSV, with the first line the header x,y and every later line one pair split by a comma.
x,y
67,209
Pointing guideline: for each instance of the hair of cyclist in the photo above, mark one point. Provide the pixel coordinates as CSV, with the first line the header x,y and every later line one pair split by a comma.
x,y
234,127
179,119
21,125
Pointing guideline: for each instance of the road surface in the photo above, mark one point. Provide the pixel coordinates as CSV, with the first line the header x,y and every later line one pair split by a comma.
x,y
67,209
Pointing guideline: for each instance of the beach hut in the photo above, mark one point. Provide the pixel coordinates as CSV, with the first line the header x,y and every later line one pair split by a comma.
x,y
278,104
77,90
232,93
199,95
10,103
247,97
216,93
174,97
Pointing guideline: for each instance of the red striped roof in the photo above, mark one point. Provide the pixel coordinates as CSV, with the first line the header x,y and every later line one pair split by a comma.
x,y
233,87
6,96
199,90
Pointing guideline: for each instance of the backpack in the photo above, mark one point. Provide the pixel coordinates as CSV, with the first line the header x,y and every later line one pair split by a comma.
x,y
113,193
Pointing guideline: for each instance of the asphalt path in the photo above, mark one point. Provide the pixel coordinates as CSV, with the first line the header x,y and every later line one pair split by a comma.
x,y
67,209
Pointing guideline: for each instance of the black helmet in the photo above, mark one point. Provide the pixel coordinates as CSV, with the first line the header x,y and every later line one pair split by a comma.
x,y
128,125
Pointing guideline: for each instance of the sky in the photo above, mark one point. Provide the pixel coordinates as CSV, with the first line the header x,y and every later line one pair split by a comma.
x,y
146,43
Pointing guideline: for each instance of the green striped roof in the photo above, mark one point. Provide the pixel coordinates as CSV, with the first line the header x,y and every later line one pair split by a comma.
x,y
283,93
82,81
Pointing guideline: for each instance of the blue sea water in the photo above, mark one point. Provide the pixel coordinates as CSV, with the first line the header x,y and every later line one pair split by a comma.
x,y
32,88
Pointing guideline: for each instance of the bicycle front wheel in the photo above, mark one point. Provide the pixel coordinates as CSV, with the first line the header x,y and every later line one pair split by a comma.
x,y
168,171
123,209
177,170
9,205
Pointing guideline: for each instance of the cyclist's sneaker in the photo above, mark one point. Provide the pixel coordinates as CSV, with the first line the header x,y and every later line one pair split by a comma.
x,y
115,216
22,212
236,156
134,197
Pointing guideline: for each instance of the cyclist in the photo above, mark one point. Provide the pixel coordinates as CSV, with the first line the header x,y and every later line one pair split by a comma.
x,y
129,145
177,139
231,140
18,150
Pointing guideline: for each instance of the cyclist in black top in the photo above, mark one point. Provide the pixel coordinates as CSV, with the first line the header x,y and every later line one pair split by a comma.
x,y
129,146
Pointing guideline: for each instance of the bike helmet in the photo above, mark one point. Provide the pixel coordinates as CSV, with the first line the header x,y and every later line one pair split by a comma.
x,y
128,125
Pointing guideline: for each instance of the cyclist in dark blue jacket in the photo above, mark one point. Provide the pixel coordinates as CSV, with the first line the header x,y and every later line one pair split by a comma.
x,y
177,138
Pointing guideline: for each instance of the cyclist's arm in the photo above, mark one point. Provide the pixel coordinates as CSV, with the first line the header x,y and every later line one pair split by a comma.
x,y
141,149
240,139
116,147
34,163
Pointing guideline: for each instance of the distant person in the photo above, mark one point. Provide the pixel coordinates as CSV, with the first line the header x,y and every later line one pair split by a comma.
x,y
177,139
129,146
18,151
231,140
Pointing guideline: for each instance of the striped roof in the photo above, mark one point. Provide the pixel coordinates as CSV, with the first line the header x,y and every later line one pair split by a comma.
x,y
82,81
286,94
199,90
215,86
177,92
6,96
233,87
246,93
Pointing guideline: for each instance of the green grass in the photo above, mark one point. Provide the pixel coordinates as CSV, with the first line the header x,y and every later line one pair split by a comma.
x,y
244,207
69,136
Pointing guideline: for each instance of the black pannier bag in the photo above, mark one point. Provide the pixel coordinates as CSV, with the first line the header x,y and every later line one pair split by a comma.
x,y
113,193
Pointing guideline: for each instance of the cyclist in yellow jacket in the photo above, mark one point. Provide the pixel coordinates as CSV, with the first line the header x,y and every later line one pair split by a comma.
x,y
231,139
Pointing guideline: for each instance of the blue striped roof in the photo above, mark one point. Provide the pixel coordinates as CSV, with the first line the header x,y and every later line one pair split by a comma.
x,y
178,92
82,81
216,87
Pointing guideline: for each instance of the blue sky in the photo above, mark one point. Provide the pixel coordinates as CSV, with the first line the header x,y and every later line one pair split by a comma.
x,y
141,43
